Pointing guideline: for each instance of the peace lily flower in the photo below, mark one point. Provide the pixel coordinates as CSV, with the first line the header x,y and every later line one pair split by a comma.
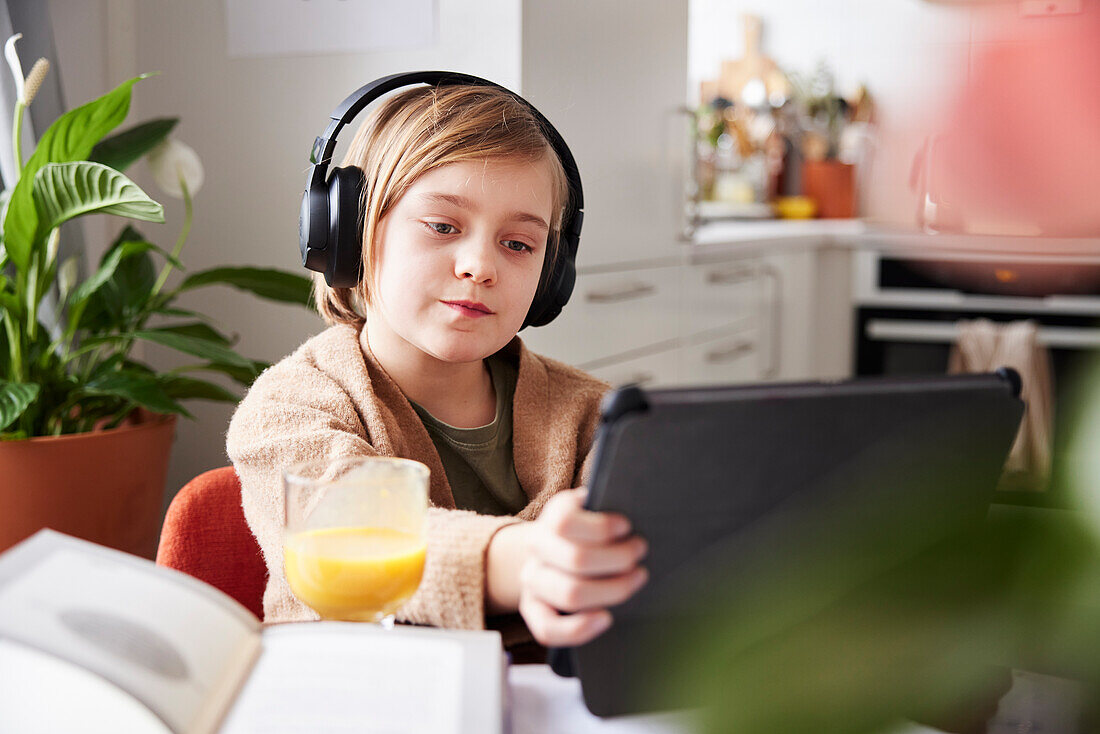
x,y
35,78
177,170
172,161
53,244
16,67
67,276
25,90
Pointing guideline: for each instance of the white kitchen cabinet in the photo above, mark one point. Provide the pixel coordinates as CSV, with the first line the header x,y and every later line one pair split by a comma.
x,y
612,78
733,357
675,322
713,315
717,293
719,360
613,313
803,306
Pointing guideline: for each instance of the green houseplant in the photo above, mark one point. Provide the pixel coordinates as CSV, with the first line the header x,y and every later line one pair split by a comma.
x,y
74,373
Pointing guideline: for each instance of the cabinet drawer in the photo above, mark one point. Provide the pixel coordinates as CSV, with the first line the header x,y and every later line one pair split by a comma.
x,y
612,313
653,370
720,294
722,361
730,358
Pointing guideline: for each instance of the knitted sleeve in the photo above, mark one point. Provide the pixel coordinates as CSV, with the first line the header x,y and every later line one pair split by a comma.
x,y
588,422
296,412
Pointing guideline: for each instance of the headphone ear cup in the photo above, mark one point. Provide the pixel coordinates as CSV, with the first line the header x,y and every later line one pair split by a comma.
x,y
559,286
313,226
345,248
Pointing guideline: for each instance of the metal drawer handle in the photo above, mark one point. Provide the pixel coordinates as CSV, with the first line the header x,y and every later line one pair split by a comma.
x,y
730,353
730,276
775,320
622,293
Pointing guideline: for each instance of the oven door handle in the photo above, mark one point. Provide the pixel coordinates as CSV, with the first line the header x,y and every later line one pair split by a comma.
x,y
946,332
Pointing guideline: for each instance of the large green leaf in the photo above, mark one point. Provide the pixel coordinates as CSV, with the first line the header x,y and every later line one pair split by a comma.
x,y
122,149
183,312
129,233
112,363
5,352
73,135
106,270
125,293
8,300
189,388
79,298
70,138
276,285
5,197
199,330
193,345
139,387
63,191
15,397
243,375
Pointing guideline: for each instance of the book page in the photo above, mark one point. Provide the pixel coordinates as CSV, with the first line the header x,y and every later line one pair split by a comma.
x,y
333,676
43,694
154,633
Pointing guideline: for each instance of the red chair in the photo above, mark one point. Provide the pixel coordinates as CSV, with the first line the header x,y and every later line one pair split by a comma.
x,y
205,535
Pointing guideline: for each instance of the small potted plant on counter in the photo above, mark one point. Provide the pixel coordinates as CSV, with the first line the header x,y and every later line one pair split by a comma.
x,y
85,425
834,136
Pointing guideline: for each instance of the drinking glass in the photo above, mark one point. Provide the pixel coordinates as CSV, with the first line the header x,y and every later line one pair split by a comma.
x,y
353,541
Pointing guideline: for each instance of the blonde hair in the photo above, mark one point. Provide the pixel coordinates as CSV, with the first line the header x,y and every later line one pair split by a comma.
x,y
416,131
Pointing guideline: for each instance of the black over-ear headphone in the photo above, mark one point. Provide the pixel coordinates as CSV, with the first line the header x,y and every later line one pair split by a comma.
x,y
330,225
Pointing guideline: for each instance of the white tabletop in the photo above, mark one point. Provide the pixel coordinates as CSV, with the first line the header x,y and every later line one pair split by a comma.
x,y
545,703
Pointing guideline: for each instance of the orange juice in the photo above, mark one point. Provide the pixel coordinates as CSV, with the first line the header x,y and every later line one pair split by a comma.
x,y
354,574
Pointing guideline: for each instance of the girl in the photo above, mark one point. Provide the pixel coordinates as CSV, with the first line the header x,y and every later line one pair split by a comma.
x,y
463,204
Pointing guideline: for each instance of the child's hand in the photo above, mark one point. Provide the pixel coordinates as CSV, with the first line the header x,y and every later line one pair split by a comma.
x,y
578,564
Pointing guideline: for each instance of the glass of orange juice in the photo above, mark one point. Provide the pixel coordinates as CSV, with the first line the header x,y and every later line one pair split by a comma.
x,y
353,541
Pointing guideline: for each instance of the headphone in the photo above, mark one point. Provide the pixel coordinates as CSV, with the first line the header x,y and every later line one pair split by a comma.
x,y
330,224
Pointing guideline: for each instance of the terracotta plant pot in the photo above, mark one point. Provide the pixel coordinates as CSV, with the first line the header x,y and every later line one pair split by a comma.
x,y
104,486
832,185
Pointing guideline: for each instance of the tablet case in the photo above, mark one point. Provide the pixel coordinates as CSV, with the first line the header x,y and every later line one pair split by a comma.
x,y
715,478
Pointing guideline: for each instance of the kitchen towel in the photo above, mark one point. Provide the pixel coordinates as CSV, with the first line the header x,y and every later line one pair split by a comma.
x,y
983,346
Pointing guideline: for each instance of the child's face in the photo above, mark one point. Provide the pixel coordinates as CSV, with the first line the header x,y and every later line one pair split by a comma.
x,y
459,257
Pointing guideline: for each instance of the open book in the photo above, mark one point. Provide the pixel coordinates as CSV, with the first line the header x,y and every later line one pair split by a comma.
x,y
96,640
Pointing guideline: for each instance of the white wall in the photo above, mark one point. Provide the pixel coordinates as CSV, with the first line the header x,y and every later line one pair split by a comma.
x,y
252,121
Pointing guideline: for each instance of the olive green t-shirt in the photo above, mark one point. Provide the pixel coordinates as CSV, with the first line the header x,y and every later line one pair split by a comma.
x,y
478,461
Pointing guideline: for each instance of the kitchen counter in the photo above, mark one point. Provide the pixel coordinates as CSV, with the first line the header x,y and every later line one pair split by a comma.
x,y
859,234
780,232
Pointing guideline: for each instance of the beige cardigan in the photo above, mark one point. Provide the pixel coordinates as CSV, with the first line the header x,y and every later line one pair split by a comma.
x,y
331,398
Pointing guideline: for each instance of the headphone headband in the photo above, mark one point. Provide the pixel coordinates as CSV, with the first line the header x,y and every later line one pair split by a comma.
x,y
353,104
329,244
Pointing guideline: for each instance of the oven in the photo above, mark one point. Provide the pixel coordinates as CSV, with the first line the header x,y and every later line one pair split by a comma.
x,y
908,305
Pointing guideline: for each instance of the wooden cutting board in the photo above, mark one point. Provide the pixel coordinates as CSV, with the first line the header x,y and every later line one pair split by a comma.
x,y
754,65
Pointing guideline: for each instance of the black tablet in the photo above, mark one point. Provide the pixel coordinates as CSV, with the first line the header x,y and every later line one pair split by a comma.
x,y
716,479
